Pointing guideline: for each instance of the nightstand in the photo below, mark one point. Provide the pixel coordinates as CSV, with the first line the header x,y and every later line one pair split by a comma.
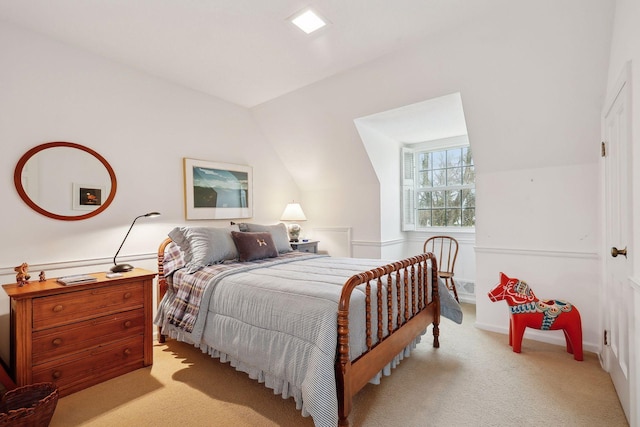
x,y
81,335
311,246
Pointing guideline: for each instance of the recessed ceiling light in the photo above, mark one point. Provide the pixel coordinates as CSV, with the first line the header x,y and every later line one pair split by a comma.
x,y
308,22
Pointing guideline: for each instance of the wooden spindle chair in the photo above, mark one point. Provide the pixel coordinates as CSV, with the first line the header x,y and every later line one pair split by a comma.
x,y
445,248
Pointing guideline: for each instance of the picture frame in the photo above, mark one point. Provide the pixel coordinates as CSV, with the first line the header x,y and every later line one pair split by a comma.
x,y
87,197
215,190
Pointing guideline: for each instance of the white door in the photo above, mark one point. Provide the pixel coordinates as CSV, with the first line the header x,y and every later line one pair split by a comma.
x,y
617,293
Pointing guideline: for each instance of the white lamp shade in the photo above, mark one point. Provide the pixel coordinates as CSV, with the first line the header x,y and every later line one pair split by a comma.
x,y
293,212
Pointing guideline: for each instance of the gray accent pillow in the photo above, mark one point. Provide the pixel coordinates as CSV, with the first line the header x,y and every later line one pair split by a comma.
x,y
278,232
253,246
204,246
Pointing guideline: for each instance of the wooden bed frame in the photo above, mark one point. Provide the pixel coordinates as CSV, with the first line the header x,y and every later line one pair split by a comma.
x,y
410,273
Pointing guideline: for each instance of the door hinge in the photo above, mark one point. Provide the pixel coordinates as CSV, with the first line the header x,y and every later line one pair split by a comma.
x,y
603,149
606,338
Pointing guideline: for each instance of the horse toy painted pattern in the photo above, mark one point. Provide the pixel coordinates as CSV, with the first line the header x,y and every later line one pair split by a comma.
x,y
526,310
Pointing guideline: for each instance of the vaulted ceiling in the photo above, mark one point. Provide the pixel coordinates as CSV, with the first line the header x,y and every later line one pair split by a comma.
x,y
242,51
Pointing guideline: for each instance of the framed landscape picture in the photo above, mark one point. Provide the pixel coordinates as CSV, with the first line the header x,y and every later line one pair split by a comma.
x,y
217,190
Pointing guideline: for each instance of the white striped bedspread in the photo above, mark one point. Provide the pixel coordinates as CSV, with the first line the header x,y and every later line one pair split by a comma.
x,y
277,322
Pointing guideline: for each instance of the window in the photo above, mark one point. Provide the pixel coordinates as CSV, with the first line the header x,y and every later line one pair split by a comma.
x,y
438,188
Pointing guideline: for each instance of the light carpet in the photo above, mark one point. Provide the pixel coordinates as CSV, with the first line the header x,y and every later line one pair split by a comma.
x,y
473,379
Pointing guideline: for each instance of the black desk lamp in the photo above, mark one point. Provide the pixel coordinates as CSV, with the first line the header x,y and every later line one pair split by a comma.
x,y
117,268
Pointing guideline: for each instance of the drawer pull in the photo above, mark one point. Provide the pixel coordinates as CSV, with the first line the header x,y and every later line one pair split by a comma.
x,y
127,295
56,342
127,324
127,351
56,374
58,308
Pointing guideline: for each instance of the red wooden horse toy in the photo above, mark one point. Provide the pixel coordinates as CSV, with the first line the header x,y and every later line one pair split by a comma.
x,y
526,310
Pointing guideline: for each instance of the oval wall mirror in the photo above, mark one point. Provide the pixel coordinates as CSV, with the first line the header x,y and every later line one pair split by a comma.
x,y
65,181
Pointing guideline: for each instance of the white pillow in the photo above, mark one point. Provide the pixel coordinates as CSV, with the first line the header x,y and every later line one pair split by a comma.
x,y
204,246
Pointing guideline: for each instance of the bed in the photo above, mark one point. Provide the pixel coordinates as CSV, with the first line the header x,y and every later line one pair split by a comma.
x,y
308,326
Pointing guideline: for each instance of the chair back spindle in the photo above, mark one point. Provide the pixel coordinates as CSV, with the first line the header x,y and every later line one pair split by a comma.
x,y
445,248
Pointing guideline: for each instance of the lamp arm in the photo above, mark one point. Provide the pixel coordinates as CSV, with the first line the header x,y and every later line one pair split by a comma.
x,y
125,238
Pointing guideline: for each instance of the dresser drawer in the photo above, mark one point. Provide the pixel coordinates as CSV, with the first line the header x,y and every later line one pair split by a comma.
x,y
85,304
93,365
79,336
60,341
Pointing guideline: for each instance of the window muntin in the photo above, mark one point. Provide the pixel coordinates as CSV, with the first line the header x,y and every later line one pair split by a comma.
x,y
445,188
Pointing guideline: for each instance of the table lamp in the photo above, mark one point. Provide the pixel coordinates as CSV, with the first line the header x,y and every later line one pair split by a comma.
x,y
293,212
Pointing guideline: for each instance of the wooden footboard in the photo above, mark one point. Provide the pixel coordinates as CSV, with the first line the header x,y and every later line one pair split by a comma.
x,y
412,273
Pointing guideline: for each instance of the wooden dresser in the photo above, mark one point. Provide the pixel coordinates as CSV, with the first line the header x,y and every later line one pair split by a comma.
x,y
80,335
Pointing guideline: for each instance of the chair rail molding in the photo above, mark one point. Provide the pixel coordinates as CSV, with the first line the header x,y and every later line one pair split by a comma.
x,y
463,237
537,252
89,262
378,243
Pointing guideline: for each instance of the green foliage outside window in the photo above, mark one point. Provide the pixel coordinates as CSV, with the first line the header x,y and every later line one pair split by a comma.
x,y
445,188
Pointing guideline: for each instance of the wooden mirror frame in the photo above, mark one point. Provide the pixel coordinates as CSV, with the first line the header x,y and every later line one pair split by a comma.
x,y
17,179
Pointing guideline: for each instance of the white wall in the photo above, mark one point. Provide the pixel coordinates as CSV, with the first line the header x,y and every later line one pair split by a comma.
x,y
532,80
625,47
384,155
142,125
545,232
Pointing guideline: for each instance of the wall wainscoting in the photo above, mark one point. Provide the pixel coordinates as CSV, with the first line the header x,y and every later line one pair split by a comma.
x,y
572,275
96,264
335,241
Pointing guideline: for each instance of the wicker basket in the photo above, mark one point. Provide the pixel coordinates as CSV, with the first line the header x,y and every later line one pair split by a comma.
x,y
30,405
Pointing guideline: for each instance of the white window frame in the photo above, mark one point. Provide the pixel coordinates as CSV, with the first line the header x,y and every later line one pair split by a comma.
x,y
409,182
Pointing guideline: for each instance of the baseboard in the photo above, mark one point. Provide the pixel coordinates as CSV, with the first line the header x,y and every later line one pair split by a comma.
x,y
549,337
